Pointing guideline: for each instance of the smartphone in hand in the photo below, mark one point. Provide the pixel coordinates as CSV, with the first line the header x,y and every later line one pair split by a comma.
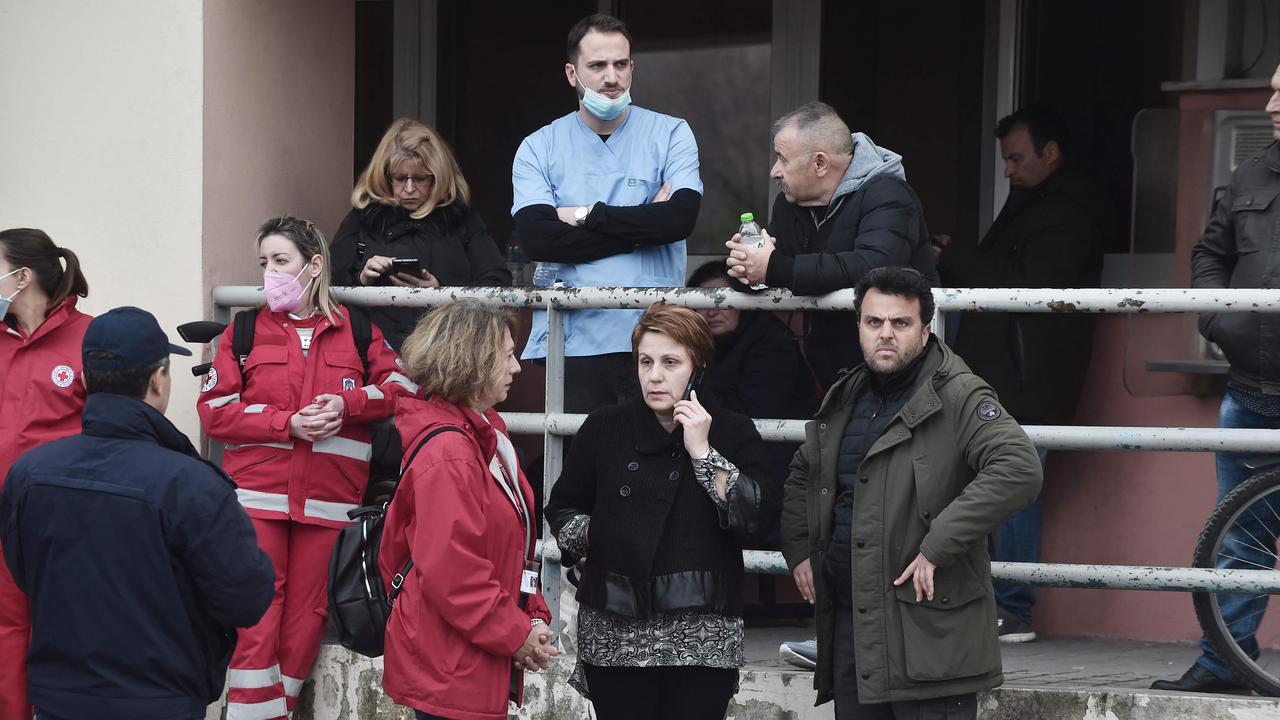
x,y
695,383
408,266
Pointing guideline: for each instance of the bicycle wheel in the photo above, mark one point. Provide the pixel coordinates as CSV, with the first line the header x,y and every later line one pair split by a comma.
x,y
1241,534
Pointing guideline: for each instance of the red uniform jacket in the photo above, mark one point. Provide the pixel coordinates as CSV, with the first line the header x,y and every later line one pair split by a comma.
x,y
457,621
279,476
41,392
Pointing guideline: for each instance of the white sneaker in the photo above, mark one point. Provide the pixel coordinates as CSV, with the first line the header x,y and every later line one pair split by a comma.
x,y
801,654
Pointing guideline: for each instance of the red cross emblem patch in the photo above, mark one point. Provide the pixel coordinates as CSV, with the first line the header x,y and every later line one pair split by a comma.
x,y
63,376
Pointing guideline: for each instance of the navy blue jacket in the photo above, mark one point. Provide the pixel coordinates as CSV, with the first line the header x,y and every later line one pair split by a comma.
x,y
138,564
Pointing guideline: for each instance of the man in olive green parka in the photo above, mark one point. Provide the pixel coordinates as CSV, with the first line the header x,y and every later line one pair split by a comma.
x,y
908,465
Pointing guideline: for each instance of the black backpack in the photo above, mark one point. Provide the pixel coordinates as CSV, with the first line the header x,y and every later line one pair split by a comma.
x,y
359,605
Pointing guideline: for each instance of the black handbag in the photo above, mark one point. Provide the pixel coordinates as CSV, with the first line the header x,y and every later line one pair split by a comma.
x,y
359,605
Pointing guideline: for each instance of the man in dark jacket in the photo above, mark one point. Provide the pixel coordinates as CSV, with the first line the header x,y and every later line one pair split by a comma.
x,y
844,208
910,462
1048,235
136,558
1238,250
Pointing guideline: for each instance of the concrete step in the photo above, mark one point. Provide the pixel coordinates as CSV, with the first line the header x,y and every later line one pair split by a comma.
x,y
1053,679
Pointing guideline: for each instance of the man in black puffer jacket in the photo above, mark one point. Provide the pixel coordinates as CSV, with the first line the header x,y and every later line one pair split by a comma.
x,y
845,208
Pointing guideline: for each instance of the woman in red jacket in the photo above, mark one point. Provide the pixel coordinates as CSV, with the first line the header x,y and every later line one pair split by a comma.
x,y
470,618
294,415
41,397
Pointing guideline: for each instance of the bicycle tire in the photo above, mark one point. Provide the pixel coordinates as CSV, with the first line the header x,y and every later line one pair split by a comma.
x,y
1208,612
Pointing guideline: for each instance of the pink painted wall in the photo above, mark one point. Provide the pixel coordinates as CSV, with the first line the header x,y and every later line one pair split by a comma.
x,y
279,82
1139,508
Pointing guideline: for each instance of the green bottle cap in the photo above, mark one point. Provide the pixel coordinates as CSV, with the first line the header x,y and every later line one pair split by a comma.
x,y
746,217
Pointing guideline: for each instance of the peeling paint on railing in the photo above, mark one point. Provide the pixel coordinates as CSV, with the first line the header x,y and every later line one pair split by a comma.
x,y
1034,300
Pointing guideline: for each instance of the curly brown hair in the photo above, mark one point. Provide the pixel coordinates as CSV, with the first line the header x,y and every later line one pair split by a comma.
x,y
455,352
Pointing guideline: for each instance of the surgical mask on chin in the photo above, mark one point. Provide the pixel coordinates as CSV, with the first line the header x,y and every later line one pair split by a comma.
x,y
5,302
601,106
284,293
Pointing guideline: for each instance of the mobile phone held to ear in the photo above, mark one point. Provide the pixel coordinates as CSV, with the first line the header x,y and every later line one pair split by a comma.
x,y
408,266
695,383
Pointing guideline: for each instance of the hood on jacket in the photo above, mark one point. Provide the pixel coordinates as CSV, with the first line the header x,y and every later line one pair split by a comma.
x,y
869,161
417,416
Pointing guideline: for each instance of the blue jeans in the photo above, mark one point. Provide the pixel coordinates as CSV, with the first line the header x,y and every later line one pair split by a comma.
x,y
1018,540
426,716
1241,613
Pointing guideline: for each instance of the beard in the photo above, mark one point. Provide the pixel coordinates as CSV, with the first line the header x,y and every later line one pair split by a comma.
x,y
888,366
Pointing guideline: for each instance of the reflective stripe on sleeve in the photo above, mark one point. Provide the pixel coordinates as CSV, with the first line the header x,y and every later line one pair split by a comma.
x,y
372,392
224,400
403,381
253,409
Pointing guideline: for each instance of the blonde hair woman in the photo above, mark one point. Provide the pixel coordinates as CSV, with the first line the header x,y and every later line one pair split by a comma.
x,y
412,203
464,515
295,414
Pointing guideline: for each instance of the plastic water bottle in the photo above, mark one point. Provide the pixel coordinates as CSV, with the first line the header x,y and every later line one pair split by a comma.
x,y
752,237
547,274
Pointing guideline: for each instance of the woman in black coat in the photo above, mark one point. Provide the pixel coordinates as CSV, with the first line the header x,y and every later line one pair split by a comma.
x,y
659,493
411,203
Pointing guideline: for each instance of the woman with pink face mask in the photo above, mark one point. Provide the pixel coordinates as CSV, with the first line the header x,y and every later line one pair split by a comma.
x,y
294,415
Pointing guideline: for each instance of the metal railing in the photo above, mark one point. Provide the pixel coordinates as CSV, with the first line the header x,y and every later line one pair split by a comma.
x,y
554,424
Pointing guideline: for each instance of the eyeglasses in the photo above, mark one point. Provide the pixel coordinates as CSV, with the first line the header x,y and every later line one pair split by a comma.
x,y
402,180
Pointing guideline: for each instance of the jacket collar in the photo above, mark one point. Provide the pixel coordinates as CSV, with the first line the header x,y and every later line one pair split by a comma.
x,y
126,418
61,315
323,323
416,416
939,364
651,437
1271,156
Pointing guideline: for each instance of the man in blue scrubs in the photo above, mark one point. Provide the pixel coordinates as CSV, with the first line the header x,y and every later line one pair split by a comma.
x,y
604,197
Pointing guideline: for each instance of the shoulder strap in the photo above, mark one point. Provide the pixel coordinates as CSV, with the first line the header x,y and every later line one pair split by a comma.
x,y
242,335
398,581
409,459
362,333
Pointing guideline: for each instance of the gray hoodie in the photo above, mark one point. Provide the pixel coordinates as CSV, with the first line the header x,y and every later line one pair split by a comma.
x,y
869,161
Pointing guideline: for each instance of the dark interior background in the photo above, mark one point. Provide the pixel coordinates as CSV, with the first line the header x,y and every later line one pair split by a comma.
x,y
913,83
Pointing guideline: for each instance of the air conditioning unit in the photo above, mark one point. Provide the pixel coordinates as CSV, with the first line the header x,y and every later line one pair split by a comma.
x,y
1237,136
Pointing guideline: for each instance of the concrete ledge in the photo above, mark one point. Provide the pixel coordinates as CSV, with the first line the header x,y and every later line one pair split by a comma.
x,y
1019,703
345,686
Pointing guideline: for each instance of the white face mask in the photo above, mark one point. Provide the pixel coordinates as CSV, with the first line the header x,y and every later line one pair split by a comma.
x,y
5,302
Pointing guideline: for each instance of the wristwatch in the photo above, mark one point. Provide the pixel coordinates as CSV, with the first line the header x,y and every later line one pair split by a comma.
x,y
580,215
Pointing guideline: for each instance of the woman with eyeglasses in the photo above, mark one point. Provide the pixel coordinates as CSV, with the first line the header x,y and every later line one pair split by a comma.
x,y
413,204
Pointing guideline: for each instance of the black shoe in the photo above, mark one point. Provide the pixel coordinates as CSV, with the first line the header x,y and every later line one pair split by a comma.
x,y
1198,679
1013,629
